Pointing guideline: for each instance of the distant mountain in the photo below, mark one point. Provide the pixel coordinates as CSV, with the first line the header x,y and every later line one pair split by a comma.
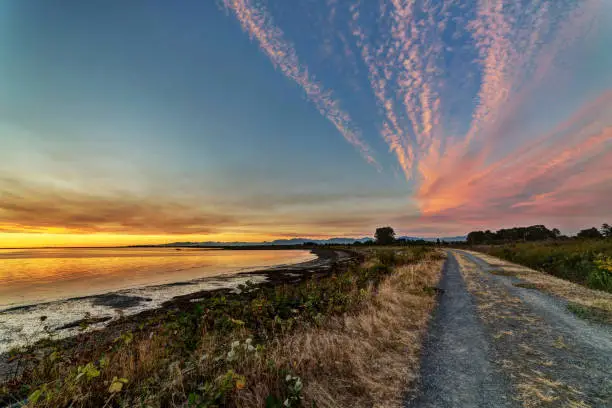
x,y
292,241
301,241
445,239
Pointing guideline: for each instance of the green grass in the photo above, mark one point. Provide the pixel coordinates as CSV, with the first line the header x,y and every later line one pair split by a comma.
x,y
590,313
587,262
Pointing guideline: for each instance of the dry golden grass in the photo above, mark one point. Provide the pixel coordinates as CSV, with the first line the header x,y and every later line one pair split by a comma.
x,y
570,291
364,360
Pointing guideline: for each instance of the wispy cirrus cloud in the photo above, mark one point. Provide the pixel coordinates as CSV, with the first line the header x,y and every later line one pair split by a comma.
x,y
258,23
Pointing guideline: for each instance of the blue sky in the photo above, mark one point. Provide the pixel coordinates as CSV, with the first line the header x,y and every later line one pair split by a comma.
x,y
257,119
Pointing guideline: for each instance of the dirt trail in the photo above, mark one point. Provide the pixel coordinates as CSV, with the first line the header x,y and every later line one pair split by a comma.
x,y
493,344
457,369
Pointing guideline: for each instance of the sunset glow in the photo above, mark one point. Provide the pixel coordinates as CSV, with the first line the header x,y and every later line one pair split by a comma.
x,y
247,120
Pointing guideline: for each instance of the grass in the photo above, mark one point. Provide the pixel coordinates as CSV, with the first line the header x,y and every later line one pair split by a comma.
x,y
586,262
594,314
526,285
502,272
350,338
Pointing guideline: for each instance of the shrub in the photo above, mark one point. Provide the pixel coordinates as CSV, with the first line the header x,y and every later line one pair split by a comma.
x,y
587,262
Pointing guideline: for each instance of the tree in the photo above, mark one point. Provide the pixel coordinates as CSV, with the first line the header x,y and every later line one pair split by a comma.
x,y
476,237
556,233
385,236
590,233
606,230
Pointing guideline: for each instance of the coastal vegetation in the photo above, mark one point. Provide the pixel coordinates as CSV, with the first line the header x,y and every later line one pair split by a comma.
x,y
585,258
347,337
587,262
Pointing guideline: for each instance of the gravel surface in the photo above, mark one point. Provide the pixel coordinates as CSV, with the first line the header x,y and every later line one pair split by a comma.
x,y
590,335
492,344
456,369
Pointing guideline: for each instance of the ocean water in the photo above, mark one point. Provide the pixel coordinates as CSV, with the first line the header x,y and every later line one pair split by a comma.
x,y
42,290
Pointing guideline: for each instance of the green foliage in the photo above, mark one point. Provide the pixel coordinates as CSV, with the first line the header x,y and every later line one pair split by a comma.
x,y
87,372
117,385
601,277
214,393
35,396
125,338
587,262
294,387
590,313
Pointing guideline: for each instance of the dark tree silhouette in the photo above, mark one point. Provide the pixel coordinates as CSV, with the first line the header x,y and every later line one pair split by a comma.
x,y
606,230
476,237
385,236
590,233
517,234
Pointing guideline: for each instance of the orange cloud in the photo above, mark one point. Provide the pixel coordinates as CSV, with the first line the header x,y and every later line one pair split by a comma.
x,y
28,208
36,214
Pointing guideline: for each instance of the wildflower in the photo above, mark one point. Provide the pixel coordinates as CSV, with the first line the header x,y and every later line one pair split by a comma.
x,y
298,384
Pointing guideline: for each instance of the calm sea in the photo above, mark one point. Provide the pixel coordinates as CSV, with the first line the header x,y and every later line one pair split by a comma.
x,y
42,275
53,282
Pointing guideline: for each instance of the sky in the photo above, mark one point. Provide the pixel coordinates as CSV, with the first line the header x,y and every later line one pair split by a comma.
x,y
152,121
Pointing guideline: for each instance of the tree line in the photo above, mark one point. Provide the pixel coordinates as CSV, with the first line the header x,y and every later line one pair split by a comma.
x,y
533,233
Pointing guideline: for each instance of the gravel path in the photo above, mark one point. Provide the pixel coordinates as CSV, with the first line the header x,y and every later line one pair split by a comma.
x,y
456,370
554,310
492,344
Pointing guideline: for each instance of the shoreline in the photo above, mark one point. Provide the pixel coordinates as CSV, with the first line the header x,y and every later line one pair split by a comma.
x,y
327,260
105,298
